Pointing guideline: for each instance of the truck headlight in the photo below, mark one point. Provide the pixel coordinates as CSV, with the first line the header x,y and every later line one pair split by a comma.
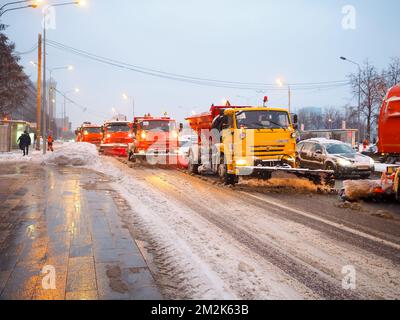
x,y
143,135
174,134
130,135
293,135
371,161
108,135
86,133
344,162
241,162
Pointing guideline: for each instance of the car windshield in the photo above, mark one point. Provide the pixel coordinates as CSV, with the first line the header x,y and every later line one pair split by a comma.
x,y
93,130
262,119
158,125
339,148
123,127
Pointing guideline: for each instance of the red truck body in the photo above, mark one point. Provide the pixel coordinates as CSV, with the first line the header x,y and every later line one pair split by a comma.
x,y
389,124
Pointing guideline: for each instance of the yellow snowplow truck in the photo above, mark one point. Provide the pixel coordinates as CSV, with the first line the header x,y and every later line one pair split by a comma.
x,y
236,141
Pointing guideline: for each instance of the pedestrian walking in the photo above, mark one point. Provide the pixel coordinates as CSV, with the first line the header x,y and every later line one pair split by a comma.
x,y
50,142
24,142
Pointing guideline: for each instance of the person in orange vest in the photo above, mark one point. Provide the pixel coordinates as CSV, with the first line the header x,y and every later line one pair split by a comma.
x,y
50,141
366,143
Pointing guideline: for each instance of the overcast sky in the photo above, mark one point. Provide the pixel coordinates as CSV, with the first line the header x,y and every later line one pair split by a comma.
x,y
236,40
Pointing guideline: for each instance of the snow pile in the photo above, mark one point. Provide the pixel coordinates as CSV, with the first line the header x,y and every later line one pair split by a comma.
x,y
73,154
359,189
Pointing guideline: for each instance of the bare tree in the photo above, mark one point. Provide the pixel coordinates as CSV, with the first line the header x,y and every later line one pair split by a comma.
x,y
373,88
13,81
392,73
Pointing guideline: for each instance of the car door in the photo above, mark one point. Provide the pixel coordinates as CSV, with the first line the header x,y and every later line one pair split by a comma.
x,y
318,156
304,155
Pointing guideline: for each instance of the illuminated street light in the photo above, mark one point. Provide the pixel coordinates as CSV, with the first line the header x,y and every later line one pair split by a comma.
x,y
32,4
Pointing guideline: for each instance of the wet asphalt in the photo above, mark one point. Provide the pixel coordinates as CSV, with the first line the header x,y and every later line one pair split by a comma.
x,y
62,237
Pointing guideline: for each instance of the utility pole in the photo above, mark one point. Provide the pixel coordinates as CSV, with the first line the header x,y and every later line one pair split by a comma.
x,y
290,98
39,98
44,106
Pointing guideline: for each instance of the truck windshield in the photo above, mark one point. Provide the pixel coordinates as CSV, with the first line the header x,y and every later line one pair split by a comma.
x,y
118,128
262,119
339,148
158,125
93,130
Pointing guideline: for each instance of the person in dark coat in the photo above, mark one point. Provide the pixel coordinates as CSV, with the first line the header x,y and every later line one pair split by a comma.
x,y
24,142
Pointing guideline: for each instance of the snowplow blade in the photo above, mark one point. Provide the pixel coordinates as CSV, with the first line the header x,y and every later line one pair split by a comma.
x,y
318,177
114,149
158,158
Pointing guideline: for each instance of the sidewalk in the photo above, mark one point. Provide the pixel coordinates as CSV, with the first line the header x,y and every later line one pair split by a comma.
x,y
66,218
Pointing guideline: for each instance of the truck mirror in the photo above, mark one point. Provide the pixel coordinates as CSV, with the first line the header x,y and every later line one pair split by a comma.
x,y
134,127
180,127
295,126
295,119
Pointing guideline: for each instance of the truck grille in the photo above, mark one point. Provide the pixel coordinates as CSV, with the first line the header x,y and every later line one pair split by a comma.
x,y
268,150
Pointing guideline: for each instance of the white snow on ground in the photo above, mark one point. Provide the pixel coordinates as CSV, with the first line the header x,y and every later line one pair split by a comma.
x,y
70,153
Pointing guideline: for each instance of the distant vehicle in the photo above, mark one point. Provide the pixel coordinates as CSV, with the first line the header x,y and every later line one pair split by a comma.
x,y
185,143
116,137
333,155
372,151
156,138
389,126
89,133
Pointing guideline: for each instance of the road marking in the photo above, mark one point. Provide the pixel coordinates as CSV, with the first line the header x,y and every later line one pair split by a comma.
x,y
333,224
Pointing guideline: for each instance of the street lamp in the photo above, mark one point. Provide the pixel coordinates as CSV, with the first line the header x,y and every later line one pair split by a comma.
x,y
281,83
45,13
359,94
51,70
33,4
126,98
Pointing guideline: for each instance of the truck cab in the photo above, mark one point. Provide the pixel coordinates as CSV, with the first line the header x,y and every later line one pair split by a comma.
x,y
89,133
154,137
116,137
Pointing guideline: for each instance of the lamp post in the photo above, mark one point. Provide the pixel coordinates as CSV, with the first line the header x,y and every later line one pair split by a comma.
x,y
45,13
51,70
280,83
359,94
126,98
33,4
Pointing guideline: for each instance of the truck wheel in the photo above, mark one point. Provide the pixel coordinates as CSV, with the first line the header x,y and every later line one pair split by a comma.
x,y
131,158
192,167
228,179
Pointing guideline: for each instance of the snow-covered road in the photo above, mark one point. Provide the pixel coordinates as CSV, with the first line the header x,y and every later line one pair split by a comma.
x,y
208,241
204,240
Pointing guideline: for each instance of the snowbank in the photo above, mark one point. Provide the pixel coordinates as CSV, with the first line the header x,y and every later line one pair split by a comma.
x,y
70,153
361,189
73,154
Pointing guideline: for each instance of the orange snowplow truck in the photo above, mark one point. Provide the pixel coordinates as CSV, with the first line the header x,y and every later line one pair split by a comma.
x,y
116,137
89,133
389,126
156,140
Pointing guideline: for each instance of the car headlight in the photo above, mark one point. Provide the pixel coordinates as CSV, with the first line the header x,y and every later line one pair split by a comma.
x,y
108,135
130,135
344,162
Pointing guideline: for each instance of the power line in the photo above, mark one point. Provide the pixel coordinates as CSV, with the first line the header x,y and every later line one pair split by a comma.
x,y
195,80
